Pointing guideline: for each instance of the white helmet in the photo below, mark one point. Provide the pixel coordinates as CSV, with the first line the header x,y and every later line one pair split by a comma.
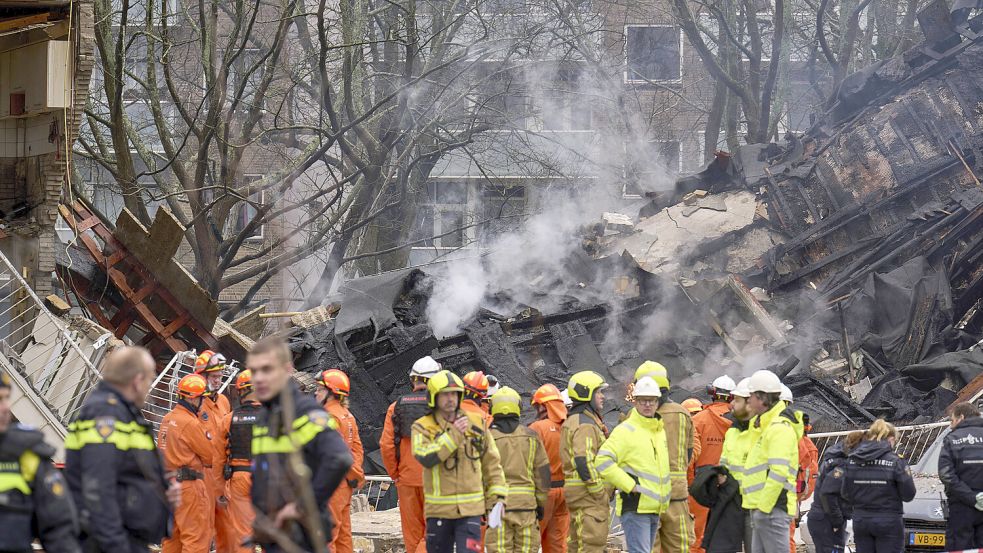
x,y
493,385
646,387
425,367
566,398
765,381
742,389
786,394
724,383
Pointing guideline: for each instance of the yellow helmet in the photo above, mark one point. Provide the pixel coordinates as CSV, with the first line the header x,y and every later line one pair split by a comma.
x,y
444,381
656,371
505,401
583,384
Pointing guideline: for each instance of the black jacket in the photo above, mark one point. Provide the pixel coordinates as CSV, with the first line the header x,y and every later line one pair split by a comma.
x,y
311,431
34,500
961,461
828,501
724,532
877,481
116,475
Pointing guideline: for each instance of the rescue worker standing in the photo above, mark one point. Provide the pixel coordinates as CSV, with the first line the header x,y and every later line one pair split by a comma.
x,y
185,443
961,471
877,483
771,465
112,465
214,414
290,423
585,491
551,412
805,478
476,395
397,453
733,453
463,479
711,426
333,394
635,460
238,471
527,473
34,501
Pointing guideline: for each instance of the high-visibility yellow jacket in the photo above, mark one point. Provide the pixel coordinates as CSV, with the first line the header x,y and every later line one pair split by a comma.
x,y
679,438
636,452
580,437
462,472
525,464
772,462
737,442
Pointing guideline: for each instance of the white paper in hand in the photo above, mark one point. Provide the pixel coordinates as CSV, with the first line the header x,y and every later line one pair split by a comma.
x,y
495,516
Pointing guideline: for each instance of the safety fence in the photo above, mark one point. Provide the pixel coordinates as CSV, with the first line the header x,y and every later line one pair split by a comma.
x,y
163,393
376,491
913,441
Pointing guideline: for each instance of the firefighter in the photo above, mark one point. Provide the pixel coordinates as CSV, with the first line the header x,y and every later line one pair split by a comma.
x,y
464,478
112,465
214,414
771,465
527,473
584,489
186,445
710,425
34,502
676,524
397,453
333,394
238,471
635,461
551,412
291,423
961,471
476,395
805,479
733,453
692,405
876,484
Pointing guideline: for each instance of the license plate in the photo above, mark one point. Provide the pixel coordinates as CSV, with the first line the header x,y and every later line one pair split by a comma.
x,y
925,539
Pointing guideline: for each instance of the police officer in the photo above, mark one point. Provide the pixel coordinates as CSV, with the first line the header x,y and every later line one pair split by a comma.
x,y
876,483
291,423
34,502
238,474
828,515
112,465
580,438
961,471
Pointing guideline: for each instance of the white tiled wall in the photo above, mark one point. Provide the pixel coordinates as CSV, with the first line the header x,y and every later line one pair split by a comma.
x,y
31,136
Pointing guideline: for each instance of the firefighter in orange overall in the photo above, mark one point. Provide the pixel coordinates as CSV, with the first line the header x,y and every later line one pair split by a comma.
x,y
213,413
397,453
475,395
551,412
710,425
333,394
238,471
186,446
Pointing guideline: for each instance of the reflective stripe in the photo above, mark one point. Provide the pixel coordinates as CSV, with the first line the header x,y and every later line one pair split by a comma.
x,y
497,490
652,495
647,476
604,465
304,431
779,461
754,488
13,479
754,470
454,498
789,487
520,490
122,435
777,477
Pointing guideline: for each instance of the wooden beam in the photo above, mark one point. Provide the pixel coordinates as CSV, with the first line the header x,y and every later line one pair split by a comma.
x,y
13,23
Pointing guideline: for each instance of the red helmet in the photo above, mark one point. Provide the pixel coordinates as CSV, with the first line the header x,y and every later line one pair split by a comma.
x,y
477,383
546,393
192,386
244,381
209,361
336,382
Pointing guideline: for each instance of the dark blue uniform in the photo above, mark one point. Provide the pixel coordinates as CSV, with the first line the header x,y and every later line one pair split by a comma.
x,y
34,500
116,476
827,517
876,483
311,432
961,471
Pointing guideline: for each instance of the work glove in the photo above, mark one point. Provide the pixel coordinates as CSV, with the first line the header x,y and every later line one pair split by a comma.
x,y
495,516
979,501
540,513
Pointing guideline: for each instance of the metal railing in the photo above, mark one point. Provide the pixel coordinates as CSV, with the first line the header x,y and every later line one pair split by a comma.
x,y
52,362
912,442
375,489
163,393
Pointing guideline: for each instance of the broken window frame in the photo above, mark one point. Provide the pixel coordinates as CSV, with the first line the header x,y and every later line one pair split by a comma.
x,y
644,80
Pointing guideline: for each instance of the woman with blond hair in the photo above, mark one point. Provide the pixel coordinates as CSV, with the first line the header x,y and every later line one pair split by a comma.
x,y
876,482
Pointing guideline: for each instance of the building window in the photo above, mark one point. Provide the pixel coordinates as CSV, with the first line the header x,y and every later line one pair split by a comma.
x,y
654,53
564,105
244,211
246,68
501,209
502,97
441,215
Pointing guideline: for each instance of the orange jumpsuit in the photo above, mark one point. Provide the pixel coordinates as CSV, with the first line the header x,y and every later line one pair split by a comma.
x,y
183,441
213,414
340,503
806,479
711,426
472,406
555,525
407,474
238,487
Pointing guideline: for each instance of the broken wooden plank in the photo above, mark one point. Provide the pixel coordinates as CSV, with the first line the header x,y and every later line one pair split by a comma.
x,y
757,312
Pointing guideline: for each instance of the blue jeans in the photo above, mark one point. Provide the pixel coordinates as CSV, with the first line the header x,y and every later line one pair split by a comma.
x,y
640,531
